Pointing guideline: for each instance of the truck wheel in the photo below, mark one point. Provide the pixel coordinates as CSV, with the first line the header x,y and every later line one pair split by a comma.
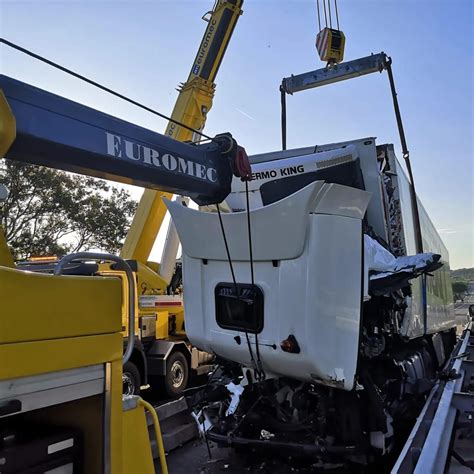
x,y
177,374
130,379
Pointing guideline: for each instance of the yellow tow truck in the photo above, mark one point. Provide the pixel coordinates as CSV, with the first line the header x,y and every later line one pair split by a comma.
x,y
162,357
62,339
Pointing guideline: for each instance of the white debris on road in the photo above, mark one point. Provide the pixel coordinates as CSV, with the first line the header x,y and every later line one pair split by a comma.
x,y
236,392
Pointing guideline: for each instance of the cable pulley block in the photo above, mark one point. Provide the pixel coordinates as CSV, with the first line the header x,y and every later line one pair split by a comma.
x,y
330,45
239,160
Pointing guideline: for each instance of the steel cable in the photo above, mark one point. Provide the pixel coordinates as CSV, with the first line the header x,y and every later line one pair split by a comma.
x,y
319,14
325,14
337,13
329,12
236,289
260,374
100,86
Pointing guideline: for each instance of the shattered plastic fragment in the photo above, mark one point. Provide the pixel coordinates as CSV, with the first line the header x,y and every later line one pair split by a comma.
x,y
235,391
339,374
202,421
380,263
264,434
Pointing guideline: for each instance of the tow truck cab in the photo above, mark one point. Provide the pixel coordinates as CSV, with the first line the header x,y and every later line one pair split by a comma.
x,y
162,358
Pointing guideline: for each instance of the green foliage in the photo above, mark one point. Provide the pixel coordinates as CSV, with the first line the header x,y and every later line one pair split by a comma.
x,y
50,212
459,287
463,274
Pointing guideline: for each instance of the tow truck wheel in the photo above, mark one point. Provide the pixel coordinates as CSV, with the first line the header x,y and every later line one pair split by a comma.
x,y
177,374
130,379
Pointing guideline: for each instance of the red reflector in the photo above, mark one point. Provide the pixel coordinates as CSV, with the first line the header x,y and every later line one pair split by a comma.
x,y
242,165
290,345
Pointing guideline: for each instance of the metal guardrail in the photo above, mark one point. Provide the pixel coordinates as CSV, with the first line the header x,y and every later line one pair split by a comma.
x,y
88,256
427,447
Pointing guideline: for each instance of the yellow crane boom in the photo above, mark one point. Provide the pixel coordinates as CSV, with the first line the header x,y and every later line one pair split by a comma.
x,y
191,108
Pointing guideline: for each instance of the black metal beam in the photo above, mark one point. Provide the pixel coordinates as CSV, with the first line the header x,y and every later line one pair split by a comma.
x,y
337,73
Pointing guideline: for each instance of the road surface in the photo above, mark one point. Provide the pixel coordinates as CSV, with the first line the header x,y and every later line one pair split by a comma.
x,y
461,310
463,446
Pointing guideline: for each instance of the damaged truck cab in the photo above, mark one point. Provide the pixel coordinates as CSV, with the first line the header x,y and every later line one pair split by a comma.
x,y
332,328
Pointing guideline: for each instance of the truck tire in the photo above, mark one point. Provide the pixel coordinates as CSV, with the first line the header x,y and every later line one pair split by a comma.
x,y
177,374
131,380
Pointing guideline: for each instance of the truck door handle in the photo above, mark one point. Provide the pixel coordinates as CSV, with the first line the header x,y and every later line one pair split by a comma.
x,y
9,407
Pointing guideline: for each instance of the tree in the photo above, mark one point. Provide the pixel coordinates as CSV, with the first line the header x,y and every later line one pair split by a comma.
x,y
459,288
50,212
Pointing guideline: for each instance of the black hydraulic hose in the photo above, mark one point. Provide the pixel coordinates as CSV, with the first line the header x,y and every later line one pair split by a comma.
x,y
283,117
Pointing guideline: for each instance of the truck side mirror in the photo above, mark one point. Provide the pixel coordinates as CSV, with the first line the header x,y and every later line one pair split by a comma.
x,y
471,311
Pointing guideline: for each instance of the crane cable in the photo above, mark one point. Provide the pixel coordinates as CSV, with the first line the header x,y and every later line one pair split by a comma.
x,y
319,14
102,87
327,13
337,14
252,278
256,364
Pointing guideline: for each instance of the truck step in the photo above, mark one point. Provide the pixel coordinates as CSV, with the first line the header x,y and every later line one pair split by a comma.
x,y
175,438
177,425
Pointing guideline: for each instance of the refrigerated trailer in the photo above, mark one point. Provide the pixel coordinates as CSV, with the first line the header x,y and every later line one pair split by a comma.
x,y
328,326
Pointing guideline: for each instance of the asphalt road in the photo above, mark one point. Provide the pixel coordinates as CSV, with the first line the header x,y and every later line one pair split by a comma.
x,y
461,311
193,458
464,446
464,305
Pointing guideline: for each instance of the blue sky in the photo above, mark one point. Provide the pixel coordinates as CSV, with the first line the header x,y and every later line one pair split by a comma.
x,y
145,48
